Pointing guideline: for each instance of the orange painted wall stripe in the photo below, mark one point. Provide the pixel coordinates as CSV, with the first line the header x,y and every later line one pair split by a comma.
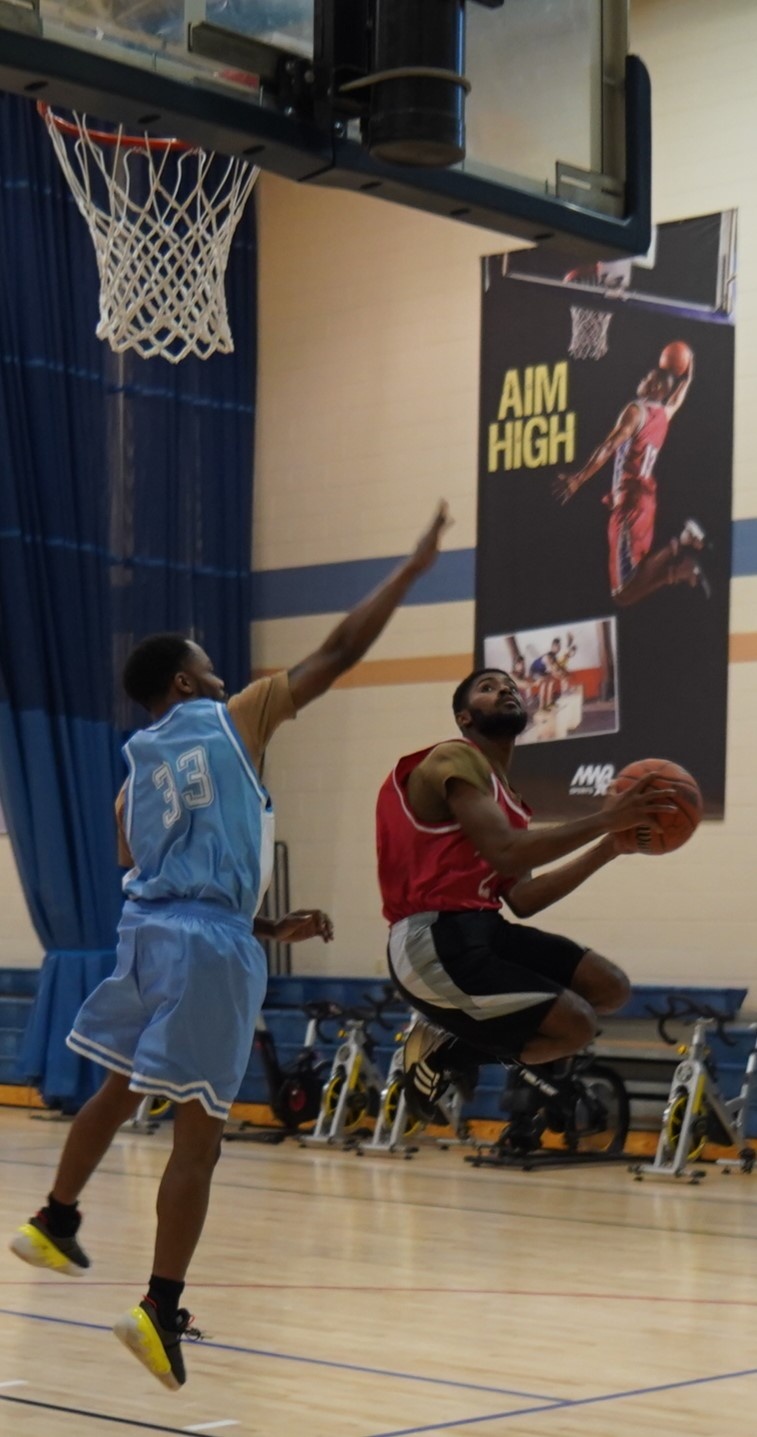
x,y
15,1095
742,648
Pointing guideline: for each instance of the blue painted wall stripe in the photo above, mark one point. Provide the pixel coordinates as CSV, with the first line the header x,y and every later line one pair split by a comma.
x,y
744,547
332,588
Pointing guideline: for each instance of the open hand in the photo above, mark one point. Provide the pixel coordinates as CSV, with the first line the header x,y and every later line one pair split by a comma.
x,y
304,923
639,806
427,548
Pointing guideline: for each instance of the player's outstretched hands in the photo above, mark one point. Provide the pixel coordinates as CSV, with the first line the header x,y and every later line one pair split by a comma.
x,y
304,923
426,550
639,806
565,486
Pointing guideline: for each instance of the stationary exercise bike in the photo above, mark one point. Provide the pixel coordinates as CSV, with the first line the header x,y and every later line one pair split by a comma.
x,y
151,1112
583,1113
352,1091
294,1090
696,1111
394,1125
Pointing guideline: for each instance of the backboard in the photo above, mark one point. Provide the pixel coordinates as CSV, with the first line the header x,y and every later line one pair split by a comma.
x,y
553,115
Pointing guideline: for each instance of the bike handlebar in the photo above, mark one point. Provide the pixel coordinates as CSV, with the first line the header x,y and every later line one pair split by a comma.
x,y
320,1011
377,1007
372,1012
686,1010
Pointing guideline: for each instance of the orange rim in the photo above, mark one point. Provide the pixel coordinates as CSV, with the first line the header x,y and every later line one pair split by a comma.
x,y
103,137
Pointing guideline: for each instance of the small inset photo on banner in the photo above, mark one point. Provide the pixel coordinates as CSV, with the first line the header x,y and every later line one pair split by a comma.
x,y
567,675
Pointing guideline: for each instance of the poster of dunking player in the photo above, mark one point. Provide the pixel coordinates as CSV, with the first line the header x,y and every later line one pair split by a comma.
x,y
604,508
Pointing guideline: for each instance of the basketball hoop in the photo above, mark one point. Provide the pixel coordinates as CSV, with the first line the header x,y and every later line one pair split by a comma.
x,y
162,216
589,331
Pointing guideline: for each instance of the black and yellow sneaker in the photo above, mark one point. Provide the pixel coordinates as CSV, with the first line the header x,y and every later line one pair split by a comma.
x,y
157,1347
35,1244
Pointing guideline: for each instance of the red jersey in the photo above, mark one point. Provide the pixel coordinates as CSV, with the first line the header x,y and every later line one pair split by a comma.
x,y
635,459
433,867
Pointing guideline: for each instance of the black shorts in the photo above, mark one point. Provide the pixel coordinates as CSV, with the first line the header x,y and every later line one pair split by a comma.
x,y
488,981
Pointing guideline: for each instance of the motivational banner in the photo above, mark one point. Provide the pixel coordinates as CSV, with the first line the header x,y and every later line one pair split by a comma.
x,y
604,508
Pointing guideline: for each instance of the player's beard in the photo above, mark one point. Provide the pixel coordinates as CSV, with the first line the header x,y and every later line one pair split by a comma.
x,y
507,723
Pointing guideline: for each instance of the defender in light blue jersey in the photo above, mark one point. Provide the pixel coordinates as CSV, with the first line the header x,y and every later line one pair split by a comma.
x,y
197,830
177,1016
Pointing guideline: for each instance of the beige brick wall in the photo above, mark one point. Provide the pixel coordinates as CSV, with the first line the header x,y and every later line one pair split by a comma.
x,y
369,332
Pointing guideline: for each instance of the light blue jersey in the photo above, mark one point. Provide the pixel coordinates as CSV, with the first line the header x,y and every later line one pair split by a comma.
x,y
198,821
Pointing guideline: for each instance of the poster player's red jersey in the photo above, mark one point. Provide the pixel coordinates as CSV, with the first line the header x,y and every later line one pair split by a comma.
x,y
635,459
433,867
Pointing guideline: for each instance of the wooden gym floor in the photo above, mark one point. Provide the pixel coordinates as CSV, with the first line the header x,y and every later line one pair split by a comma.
x,y
351,1297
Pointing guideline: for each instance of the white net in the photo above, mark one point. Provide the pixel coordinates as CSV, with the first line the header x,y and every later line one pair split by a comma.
x,y
162,218
589,331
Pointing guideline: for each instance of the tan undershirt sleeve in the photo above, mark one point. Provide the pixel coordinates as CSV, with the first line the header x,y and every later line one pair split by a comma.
x,y
259,710
124,852
427,785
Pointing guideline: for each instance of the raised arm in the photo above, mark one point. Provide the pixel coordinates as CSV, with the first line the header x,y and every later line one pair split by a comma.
x,y
353,636
681,390
513,853
566,485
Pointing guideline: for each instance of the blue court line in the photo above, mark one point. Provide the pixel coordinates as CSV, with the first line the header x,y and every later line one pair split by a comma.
x,y
470,1421
568,1403
306,1361
546,1404
528,1215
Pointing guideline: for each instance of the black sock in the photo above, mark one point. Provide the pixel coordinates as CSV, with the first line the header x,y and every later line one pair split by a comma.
x,y
61,1218
165,1293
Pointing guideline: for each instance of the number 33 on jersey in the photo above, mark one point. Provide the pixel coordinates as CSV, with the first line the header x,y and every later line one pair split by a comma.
x,y
190,773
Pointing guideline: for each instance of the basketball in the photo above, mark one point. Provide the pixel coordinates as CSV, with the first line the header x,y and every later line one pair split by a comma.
x,y
675,828
676,357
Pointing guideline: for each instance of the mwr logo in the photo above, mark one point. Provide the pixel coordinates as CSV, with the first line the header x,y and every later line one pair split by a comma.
x,y
593,778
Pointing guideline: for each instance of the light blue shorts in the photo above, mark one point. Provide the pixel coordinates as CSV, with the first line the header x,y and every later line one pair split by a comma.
x,y
178,1014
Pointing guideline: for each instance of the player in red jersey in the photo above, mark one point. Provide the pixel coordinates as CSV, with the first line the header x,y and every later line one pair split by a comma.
x,y
453,845
634,444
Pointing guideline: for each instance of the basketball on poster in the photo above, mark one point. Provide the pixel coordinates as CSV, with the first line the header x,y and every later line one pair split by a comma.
x,y
603,559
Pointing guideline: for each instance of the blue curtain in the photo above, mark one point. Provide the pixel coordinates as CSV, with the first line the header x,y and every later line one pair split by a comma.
x,y
125,508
